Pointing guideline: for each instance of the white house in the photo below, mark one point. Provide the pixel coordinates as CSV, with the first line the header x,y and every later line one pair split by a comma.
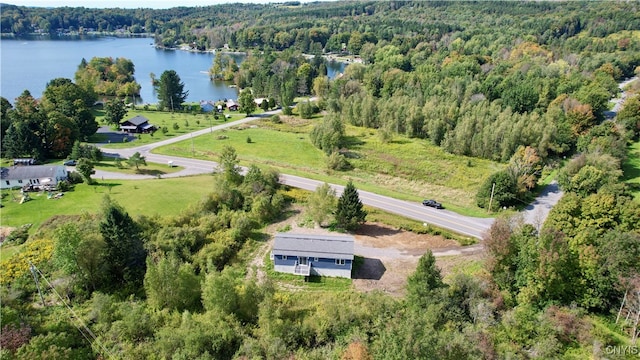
x,y
37,176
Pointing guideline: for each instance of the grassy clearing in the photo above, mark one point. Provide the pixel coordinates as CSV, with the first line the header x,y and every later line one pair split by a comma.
x,y
462,265
155,169
631,168
186,122
139,197
409,169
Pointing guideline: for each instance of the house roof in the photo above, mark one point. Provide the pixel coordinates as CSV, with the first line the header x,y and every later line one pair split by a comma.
x,y
232,103
30,172
311,245
137,121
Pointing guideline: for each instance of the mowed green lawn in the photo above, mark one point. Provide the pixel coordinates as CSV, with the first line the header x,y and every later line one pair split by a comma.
x,y
154,169
187,122
138,197
411,169
631,168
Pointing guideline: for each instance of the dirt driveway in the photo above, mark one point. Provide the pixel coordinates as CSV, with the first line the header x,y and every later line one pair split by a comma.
x,y
390,255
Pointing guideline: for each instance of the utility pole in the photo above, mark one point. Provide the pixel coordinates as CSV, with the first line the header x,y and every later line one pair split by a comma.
x,y
493,188
193,150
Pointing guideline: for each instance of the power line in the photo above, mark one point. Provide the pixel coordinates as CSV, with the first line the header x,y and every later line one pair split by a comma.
x,y
86,331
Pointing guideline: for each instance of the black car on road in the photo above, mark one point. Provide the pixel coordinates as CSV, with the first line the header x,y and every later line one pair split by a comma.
x,y
432,203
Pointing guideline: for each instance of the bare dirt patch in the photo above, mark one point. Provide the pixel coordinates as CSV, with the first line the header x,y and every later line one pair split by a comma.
x,y
389,255
5,231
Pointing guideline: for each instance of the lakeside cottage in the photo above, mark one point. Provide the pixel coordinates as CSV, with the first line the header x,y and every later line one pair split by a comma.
x,y
308,254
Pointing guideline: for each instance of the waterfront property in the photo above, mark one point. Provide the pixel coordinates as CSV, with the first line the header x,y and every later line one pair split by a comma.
x,y
138,124
36,176
308,254
232,105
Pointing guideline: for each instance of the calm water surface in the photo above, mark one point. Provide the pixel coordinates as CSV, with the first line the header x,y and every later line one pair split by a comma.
x,y
30,64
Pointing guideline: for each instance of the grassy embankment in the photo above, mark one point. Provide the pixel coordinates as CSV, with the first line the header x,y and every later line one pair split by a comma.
x,y
410,169
631,168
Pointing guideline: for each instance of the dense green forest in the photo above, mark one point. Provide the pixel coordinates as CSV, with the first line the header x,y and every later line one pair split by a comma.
x,y
524,83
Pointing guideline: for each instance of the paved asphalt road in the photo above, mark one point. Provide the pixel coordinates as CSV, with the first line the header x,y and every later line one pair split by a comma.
x,y
465,225
534,214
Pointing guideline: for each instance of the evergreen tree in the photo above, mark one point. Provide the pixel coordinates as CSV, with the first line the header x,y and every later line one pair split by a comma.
x,y
171,90
349,213
426,279
124,249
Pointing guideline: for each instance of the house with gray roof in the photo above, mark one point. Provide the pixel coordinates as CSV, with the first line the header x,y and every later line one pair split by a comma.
x,y
310,254
36,176
137,124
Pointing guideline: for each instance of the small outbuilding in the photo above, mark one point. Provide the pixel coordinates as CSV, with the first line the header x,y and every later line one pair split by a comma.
x,y
232,105
207,106
35,176
138,124
310,254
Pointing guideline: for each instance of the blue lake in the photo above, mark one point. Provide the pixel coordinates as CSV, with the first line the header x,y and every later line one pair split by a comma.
x,y
30,64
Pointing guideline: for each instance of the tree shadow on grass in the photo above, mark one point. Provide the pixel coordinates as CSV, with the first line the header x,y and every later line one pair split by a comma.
x,y
352,141
105,187
375,230
150,172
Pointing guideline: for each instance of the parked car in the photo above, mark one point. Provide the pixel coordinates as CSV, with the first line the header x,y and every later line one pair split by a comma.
x,y
69,163
432,203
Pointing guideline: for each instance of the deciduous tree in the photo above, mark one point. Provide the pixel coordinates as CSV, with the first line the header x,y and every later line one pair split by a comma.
x,y
171,284
246,101
136,160
85,168
115,111
321,204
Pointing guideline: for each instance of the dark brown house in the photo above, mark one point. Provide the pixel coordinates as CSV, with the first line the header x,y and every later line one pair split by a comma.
x,y
138,124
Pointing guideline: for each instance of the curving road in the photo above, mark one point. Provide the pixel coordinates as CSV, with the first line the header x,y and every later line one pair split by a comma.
x,y
469,226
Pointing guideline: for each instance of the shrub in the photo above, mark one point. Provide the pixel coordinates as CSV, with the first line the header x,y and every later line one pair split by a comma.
x,y
63,186
338,162
75,178
275,119
249,140
176,127
19,235
35,251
